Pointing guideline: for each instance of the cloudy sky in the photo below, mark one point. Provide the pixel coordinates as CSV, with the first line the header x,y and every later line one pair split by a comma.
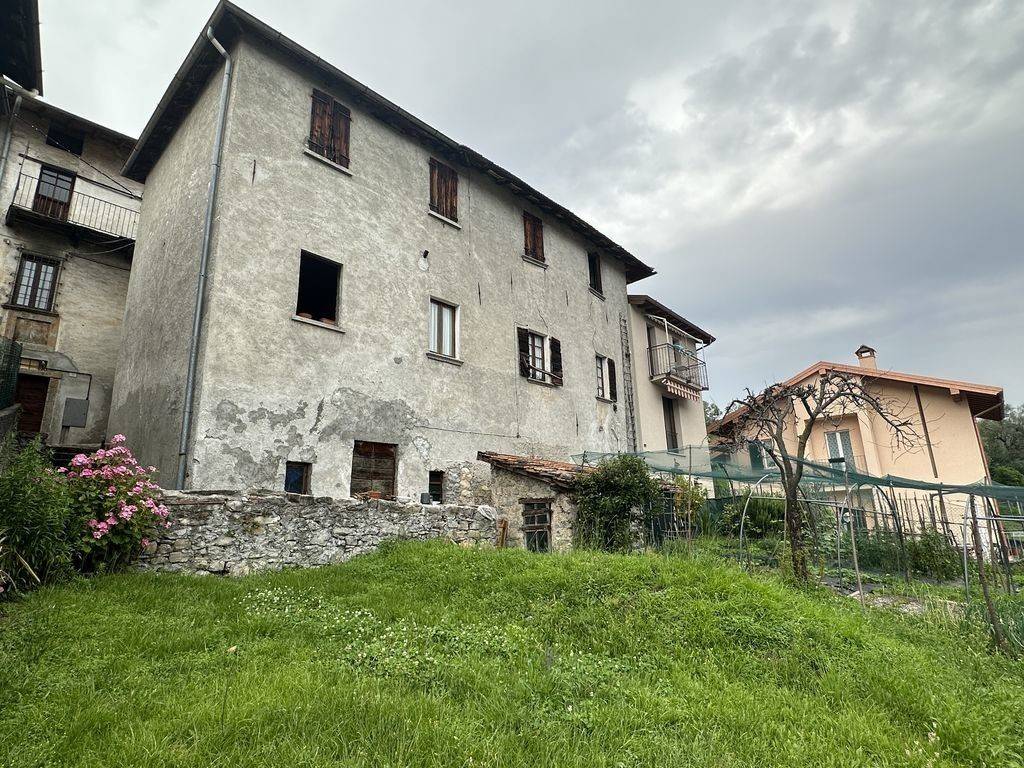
x,y
805,176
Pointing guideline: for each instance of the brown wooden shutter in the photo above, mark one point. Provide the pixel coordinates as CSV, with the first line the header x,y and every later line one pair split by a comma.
x,y
556,361
340,124
435,187
533,236
613,390
444,190
320,123
523,339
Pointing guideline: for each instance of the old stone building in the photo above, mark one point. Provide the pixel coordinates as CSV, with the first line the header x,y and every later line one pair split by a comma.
x,y
66,244
381,301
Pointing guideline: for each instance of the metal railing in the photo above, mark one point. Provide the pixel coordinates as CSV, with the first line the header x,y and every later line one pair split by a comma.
x,y
679,363
74,207
10,359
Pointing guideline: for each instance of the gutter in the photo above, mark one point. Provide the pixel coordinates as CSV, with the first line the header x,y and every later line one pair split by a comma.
x,y
204,260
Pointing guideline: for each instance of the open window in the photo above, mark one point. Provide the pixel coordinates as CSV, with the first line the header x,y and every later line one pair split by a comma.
x,y
444,328
319,289
540,357
607,387
594,268
297,477
67,139
436,485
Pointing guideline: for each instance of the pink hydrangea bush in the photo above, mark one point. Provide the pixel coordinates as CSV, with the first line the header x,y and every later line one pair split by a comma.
x,y
120,502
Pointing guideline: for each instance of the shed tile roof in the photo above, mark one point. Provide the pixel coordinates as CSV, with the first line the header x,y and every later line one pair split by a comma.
x,y
559,474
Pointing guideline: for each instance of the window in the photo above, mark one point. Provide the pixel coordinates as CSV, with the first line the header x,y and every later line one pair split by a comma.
x,y
53,193
319,286
594,264
329,128
840,448
296,477
540,357
668,407
35,284
537,525
760,455
607,387
70,140
436,485
373,468
533,236
444,190
444,319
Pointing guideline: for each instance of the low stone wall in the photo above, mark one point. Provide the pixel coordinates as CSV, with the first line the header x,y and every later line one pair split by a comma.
x,y
236,533
8,420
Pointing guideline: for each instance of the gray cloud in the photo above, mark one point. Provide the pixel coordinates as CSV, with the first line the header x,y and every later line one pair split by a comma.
x,y
805,176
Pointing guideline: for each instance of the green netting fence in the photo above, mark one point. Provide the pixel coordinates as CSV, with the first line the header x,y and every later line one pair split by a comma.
x,y
10,358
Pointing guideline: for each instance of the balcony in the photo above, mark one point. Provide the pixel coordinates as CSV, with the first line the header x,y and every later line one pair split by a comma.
x,y
678,370
51,197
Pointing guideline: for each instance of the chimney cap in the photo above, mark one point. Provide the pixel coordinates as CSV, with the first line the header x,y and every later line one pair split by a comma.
x,y
864,351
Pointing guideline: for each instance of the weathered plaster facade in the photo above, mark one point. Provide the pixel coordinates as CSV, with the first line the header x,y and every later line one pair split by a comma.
x,y
71,348
273,389
511,490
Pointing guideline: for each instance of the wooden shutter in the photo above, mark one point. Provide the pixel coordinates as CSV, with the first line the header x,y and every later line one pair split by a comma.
x,y
594,265
373,468
523,340
444,190
613,392
320,123
556,361
533,236
340,123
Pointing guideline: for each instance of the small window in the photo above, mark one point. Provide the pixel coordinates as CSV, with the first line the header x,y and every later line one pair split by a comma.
x,y
594,265
537,525
374,467
329,128
53,193
444,190
760,456
533,235
840,449
36,283
296,477
319,287
540,357
668,409
607,387
444,319
69,140
436,485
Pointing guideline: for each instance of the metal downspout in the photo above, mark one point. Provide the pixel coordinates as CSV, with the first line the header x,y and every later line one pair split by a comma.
x,y
8,134
204,258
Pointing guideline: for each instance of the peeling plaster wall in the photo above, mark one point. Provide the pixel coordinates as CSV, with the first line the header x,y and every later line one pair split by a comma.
x,y
236,534
150,382
84,327
273,389
509,489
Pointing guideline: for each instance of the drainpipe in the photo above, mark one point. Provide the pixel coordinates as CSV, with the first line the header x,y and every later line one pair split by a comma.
x,y
204,258
8,133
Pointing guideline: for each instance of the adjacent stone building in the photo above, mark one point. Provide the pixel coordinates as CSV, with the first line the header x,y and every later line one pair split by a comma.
x,y
382,302
66,242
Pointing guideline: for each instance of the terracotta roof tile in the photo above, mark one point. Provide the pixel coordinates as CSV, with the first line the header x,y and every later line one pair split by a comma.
x,y
559,474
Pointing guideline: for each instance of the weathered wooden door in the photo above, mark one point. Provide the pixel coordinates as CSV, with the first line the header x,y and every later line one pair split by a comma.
x,y
30,393
373,468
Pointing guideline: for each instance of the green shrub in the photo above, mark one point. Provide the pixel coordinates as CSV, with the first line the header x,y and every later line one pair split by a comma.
x,y
764,516
41,532
614,500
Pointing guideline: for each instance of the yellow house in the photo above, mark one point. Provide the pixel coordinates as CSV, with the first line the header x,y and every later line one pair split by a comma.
x,y
943,412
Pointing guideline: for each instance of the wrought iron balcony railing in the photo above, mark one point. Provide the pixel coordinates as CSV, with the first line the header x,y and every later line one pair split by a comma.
x,y
53,196
679,363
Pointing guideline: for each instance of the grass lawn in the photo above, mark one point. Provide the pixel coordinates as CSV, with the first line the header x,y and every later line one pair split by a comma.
x,y
426,655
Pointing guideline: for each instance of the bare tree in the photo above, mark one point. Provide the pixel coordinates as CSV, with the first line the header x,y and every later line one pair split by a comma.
x,y
781,420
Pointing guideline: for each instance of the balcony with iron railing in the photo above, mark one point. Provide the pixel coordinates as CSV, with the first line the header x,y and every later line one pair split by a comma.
x,y
672,363
50,197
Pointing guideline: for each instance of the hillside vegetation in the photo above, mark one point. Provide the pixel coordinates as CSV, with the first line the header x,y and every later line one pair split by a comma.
x,y
430,655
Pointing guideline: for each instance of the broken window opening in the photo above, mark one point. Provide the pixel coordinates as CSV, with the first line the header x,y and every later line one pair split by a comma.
x,y
319,288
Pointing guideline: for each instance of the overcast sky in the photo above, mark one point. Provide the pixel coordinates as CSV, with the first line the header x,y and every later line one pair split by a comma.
x,y
805,176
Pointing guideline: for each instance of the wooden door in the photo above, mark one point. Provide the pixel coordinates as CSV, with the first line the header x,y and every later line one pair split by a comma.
x,y
53,193
30,393
373,468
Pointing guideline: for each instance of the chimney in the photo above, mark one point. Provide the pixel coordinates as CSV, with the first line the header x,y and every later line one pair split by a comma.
x,y
866,357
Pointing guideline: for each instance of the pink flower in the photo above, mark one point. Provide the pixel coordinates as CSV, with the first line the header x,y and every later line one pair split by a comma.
x,y
118,438
145,542
80,460
97,534
87,473
62,470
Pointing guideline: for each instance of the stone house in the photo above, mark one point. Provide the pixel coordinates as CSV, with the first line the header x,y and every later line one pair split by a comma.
x,y
381,302
66,243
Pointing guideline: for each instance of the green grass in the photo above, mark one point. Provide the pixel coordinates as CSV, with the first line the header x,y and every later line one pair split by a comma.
x,y
432,655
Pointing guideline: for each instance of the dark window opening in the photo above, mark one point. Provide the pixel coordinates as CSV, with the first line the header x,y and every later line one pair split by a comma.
x,y
329,128
533,236
444,190
53,193
613,387
66,139
594,266
373,468
319,285
537,526
35,284
296,477
436,485
671,435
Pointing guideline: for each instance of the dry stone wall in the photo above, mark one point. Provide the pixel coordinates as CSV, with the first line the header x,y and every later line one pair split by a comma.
x,y
237,533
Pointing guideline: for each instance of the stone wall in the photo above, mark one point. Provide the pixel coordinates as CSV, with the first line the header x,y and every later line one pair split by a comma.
x,y
236,533
8,419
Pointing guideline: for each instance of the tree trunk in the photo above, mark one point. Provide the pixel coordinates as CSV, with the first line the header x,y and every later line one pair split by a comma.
x,y
795,532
